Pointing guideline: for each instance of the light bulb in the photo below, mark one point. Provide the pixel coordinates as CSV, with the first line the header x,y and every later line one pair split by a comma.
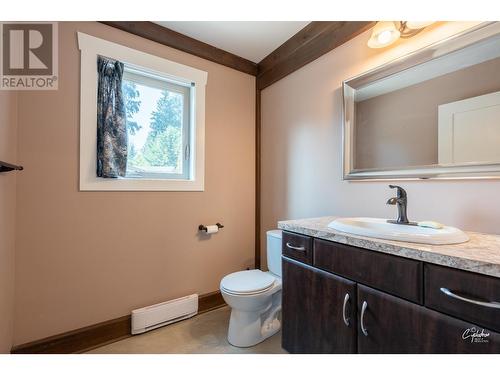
x,y
383,34
384,37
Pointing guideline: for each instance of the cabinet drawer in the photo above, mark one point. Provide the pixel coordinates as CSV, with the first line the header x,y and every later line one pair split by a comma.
x,y
297,246
464,295
399,276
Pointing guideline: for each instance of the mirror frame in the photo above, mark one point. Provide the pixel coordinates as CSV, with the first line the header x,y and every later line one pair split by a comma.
x,y
433,51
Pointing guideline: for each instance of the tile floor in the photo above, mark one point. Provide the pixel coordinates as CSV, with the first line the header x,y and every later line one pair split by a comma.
x,y
205,333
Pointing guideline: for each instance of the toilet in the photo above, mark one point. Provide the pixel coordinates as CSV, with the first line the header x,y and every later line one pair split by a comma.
x,y
255,298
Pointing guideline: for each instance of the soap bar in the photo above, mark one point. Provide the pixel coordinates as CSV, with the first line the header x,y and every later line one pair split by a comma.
x,y
430,224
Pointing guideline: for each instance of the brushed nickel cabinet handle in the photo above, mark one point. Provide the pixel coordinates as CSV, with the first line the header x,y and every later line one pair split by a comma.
x,y
363,310
298,248
346,319
449,293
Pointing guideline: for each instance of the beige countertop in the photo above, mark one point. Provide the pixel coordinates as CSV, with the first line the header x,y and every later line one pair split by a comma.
x,y
481,254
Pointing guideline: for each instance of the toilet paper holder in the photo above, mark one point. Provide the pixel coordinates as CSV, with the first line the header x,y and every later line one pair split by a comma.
x,y
204,228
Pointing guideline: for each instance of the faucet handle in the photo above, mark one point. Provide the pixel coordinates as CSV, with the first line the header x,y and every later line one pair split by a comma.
x,y
392,201
401,192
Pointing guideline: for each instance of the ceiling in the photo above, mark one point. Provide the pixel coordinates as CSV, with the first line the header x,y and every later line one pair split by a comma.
x,y
252,40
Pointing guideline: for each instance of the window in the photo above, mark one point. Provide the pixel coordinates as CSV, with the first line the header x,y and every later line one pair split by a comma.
x,y
158,124
165,104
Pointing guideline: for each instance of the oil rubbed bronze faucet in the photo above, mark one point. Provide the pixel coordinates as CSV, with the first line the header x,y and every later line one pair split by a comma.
x,y
401,200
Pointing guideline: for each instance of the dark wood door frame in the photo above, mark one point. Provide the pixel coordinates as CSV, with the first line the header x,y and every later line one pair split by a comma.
x,y
313,41
257,176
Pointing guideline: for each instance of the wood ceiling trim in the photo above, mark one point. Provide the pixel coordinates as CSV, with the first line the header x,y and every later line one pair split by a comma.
x,y
171,38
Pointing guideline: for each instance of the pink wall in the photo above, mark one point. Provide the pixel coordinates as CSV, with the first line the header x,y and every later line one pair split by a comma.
x,y
301,149
8,153
86,257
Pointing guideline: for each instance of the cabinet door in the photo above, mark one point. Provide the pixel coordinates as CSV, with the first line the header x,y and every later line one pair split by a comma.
x,y
319,311
393,325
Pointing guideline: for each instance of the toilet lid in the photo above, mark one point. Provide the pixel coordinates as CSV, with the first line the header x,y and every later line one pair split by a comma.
x,y
247,281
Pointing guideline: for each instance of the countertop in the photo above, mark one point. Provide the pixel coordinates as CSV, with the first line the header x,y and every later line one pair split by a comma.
x,y
481,254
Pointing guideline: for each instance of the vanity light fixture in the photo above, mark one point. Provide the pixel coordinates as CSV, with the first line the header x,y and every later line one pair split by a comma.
x,y
387,32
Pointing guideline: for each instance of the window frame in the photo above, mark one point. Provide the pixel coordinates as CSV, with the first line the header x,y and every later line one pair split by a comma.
x,y
140,77
92,47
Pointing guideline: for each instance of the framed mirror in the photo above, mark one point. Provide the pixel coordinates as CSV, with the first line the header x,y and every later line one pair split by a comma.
x,y
432,114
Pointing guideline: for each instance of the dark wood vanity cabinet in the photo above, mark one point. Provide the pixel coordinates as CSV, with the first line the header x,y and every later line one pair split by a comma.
x,y
391,306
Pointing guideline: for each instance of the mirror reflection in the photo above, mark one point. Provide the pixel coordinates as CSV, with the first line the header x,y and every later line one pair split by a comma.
x,y
443,112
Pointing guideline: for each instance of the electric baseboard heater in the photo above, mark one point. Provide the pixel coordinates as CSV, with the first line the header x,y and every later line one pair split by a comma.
x,y
159,315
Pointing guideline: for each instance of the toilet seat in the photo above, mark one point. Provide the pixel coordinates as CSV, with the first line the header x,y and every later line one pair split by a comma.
x,y
247,282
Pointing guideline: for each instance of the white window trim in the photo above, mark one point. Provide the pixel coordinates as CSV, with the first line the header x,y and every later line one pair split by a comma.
x,y
91,47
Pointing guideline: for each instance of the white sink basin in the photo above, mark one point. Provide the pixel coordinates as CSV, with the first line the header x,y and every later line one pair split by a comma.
x,y
380,228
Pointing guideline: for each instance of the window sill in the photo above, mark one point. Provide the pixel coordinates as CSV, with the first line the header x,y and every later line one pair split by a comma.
x,y
130,184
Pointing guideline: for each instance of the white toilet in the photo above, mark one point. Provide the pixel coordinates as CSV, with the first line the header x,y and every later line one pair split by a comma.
x,y
255,298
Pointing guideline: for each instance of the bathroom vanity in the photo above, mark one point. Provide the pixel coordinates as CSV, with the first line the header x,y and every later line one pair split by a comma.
x,y
349,294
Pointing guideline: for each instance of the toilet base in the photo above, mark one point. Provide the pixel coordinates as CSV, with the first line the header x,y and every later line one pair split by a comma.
x,y
248,328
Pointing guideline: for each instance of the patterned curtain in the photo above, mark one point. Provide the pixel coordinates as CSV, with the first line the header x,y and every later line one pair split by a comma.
x,y
112,137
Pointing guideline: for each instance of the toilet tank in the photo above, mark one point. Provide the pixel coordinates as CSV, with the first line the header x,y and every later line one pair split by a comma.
x,y
274,251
